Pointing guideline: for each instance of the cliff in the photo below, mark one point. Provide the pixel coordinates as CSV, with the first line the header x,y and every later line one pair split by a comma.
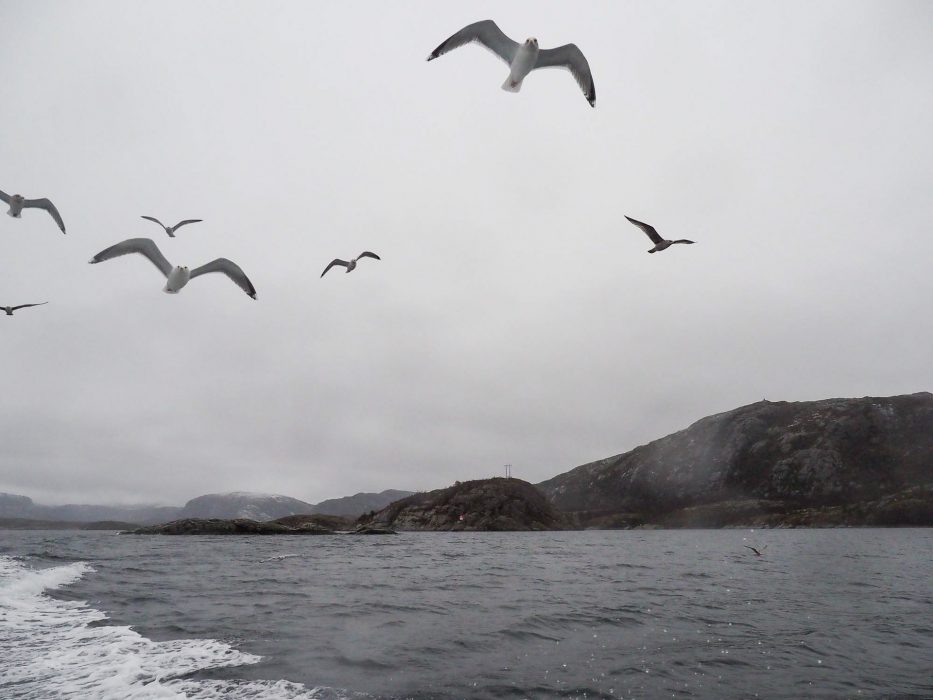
x,y
838,461
487,504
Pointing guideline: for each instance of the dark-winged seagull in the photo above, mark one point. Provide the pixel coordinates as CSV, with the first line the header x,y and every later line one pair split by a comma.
x,y
170,230
659,243
352,264
757,553
10,309
523,58
179,275
18,202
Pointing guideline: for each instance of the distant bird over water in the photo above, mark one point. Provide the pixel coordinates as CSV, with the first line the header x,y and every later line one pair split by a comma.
x,y
170,230
178,276
352,264
18,202
659,243
10,309
523,58
757,553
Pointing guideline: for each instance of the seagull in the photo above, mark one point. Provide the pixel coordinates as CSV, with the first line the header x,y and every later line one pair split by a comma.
x,y
178,276
18,202
352,264
170,230
10,309
757,553
659,243
523,58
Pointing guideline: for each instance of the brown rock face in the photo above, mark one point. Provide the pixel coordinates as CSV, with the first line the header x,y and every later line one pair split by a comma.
x,y
487,504
759,462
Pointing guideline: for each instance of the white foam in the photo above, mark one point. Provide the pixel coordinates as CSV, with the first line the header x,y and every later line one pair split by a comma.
x,y
48,650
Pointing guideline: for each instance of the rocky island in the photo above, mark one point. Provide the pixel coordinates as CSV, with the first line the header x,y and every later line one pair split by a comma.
x,y
485,504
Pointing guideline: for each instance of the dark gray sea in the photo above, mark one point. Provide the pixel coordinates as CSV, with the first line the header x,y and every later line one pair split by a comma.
x,y
620,614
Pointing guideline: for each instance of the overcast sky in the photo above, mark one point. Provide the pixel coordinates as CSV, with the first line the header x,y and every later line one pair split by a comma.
x,y
515,317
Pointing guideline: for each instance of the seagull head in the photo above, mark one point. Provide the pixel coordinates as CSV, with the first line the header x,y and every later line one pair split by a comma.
x,y
18,198
531,42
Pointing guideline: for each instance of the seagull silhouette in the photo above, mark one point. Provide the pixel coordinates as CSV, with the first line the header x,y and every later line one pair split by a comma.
x,y
170,230
659,243
757,553
18,202
10,309
352,264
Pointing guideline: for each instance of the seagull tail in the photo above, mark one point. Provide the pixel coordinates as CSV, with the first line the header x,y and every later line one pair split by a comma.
x,y
511,85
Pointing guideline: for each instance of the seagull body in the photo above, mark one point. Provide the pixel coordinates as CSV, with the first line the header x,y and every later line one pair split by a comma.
x,y
178,276
10,309
170,230
350,265
18,202
659,243
523,58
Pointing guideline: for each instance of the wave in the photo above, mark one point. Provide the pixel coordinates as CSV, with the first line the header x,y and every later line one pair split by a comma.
x,y
60,648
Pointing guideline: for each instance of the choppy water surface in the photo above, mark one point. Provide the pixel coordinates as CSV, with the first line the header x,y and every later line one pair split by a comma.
x,y
824,613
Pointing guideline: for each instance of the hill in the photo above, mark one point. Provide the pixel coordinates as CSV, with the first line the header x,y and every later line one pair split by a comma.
x,y
866,461
487,504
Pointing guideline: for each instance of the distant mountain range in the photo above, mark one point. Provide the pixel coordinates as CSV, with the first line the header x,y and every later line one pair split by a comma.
x,y
255,506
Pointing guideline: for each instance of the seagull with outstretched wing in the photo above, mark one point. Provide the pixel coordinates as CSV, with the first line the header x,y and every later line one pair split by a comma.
x,y
522,58
170,230
179,275
18,202
652,233
350,265
757,553
10,309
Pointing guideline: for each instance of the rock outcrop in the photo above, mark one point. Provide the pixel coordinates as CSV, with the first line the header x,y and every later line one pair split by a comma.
x,y
840,461
487,504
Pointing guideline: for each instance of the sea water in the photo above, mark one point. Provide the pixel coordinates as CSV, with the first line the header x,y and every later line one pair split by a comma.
x,y
844,613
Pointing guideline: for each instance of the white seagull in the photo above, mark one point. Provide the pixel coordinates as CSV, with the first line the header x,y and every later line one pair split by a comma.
x,y
659,243
523,58
18,202
352,264
10,309
170,230
178,276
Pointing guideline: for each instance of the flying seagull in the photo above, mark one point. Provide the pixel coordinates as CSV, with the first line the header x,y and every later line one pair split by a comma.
x,y
757,553
18,202
10,309
170,230
178,276
659,243
352,264
523,58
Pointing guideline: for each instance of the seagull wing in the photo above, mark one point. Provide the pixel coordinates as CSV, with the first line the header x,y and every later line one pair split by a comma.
x,y
333,262
753,549
152,218
647,228
231,270
24,306
682,240
486,33
49,207
185,222
143,246
4,197
570,57
367,254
